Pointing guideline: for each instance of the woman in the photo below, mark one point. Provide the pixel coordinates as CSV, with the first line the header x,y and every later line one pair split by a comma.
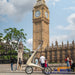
x,y
68,64
19,63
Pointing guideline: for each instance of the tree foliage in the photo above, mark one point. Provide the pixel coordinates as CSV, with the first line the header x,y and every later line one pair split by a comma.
x,y
15,34
8,56
12,35
26,49
1,35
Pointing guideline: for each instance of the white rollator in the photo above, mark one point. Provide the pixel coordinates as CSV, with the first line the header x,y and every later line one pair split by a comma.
x,y
30,65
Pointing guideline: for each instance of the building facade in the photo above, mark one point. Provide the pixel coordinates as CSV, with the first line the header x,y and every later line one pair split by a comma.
x,y
40,24
55,53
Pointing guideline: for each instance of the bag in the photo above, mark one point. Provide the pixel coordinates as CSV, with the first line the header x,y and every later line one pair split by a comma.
x,y
46,65
66,60
20,62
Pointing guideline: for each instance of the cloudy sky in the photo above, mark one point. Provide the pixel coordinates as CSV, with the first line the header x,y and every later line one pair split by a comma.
x,y
18,13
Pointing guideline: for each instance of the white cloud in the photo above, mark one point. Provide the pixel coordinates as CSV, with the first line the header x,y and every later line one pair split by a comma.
x,y
29,43
70,8
15,9
2,19
58,38
71,26
54,2
47,0
71,19
6,8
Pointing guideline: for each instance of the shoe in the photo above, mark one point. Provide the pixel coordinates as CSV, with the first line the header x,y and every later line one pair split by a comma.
x,y
11,71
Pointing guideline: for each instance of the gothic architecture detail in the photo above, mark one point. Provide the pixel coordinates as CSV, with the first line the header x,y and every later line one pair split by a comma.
x,y
58,53
20,52
40,24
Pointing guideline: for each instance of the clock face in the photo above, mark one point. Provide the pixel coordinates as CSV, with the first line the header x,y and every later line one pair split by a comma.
x,y
37,13
46,14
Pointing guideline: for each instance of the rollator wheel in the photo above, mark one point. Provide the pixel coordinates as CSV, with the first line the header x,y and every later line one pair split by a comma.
x,y
29,70
47,70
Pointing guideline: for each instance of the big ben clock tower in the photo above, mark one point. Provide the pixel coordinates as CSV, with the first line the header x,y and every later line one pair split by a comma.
x,y
40,24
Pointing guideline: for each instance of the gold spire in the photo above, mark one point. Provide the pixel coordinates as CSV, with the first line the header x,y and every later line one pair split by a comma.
x,y
40,0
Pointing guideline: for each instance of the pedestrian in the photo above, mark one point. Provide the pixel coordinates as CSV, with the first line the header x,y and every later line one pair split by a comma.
x,y
71,61
68,64
36,62
19,63
71,65
66,60
42,60
12,62
46,64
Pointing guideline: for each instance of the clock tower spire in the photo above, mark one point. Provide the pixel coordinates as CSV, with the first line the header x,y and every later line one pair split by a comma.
x,y
40,24
41,0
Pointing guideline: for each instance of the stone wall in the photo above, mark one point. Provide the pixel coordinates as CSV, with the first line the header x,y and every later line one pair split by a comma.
x,y
57,53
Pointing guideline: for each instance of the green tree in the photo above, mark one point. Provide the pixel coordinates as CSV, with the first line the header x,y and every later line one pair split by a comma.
x,y
27,52
1,35
14,35
26,49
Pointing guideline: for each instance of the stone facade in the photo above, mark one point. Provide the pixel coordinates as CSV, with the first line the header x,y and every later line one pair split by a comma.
x,y
40,24
20,51
58,53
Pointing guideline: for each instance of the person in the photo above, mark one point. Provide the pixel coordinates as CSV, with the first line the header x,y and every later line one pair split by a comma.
x,y
36,62
42,60
66,60
12,62
71,64
19,63
68,64
73,67
46,64
71,61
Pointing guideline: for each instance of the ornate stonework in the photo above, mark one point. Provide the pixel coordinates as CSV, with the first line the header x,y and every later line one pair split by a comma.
x,y
40,24
40,2
20,51
58,53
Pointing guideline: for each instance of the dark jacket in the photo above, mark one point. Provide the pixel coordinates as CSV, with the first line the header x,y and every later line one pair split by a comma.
x,y
12,60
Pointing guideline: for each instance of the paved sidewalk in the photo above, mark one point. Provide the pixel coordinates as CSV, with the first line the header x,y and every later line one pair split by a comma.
x,y
5,70
34,73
